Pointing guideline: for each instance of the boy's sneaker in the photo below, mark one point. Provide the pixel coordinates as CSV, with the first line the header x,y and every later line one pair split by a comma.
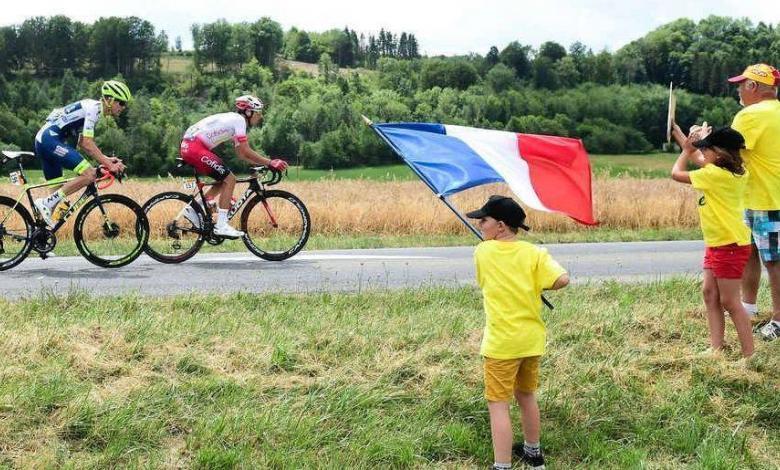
x,y
45,211
770,331
227,231
536,462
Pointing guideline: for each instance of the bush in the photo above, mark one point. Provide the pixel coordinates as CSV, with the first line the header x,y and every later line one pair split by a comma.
x,y
602,136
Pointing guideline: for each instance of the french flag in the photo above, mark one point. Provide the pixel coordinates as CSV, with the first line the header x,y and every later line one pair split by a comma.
x,y
547,173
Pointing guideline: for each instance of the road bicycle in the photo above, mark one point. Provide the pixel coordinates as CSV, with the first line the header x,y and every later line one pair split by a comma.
x,y
276,223
110,230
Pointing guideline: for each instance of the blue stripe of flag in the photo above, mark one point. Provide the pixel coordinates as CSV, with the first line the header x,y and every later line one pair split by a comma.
x,y
446,162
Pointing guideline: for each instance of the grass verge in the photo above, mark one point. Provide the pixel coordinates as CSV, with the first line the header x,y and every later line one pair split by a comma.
x,y
327,242
371,380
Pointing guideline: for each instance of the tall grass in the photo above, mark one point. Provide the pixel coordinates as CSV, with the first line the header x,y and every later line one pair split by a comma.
x,y
366,208
371,380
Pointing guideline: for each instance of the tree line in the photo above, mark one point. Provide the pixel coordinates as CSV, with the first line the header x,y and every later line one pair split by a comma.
x,y
314,119
50,46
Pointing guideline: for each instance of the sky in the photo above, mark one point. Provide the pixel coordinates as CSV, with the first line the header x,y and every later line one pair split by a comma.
x,y
446,28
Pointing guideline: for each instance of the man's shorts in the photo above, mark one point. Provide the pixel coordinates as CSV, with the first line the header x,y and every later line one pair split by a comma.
x,y
727,261
504,376
206,162
765,230
56,154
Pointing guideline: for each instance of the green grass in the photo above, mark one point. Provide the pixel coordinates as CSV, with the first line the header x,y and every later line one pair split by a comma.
x,y
648,166
382,173
371,380
638,166
175,64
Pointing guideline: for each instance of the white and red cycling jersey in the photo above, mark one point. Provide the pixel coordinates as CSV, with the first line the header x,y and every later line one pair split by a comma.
x,y
218,128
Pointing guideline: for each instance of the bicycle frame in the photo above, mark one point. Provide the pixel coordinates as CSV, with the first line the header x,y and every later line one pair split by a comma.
x,y
89,191
256,186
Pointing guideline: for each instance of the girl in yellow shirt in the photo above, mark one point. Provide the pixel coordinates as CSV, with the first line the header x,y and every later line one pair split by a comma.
x,y
722,180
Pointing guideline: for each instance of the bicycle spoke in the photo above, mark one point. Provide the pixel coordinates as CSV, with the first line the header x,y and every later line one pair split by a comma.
x,y
15,229
175,227
277,226
110,233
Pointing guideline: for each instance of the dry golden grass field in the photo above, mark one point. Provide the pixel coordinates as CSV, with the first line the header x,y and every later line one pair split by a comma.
x,y
360,207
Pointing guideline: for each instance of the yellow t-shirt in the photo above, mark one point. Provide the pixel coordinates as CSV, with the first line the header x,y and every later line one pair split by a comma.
x,y
759,124
722,206
512,276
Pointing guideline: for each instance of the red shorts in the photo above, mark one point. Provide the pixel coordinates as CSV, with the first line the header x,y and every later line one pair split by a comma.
x,y
727,261
206,162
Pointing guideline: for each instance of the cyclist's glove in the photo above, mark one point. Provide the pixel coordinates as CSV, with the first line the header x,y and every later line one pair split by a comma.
x,y
278,164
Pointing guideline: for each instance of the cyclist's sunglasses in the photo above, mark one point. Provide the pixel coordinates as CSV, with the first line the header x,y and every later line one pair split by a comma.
x,y
121,103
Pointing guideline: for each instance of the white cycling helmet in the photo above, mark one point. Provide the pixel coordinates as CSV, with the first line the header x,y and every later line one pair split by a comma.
x,y
249,103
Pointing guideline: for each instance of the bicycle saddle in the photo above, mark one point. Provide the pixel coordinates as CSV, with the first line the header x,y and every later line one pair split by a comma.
x,y
11,155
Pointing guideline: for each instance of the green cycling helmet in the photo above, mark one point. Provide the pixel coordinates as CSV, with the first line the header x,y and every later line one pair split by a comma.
x,y
116,90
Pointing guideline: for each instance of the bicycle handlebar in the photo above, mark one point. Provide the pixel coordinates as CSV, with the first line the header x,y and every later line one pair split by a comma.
x,y
275,175
107,176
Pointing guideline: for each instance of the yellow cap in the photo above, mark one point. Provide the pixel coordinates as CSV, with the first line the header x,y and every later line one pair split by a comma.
x,y
761,73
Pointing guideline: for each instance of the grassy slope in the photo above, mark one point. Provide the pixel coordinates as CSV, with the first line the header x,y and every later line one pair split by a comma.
x,y
372,379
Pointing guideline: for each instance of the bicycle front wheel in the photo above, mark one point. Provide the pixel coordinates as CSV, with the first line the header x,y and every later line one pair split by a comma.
x,y
16,227
111,231
176,223
276,224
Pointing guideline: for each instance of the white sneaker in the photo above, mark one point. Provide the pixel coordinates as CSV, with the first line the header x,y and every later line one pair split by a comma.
x,y
227,231
45,211
192,215
770,331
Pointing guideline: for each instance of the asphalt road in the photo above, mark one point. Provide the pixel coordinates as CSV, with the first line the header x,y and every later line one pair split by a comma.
x,y
339,270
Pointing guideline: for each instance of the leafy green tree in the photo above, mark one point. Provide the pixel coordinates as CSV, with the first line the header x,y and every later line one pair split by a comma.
x,y
492,56
327,70
500,78
516,56
552,50
544,73
268,39
531,124
399,75
445,73
567,73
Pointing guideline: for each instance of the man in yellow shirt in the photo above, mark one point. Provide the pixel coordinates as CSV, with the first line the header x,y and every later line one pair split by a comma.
x,y
759,124
512,275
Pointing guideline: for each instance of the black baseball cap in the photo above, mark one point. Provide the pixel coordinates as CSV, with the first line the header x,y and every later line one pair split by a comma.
x,y
724,137
501,208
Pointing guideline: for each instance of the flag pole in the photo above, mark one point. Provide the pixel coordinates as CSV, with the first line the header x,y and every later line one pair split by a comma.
x,y
441,197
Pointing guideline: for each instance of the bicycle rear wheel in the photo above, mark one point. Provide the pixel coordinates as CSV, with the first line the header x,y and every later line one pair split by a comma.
x,y
16,227
175,223
111,231
276,224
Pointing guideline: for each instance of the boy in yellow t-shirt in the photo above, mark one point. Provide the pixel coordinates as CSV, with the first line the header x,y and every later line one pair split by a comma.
x,y
722,180
512,275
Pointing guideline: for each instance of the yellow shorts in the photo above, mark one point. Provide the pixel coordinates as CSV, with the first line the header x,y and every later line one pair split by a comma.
x,y
504,376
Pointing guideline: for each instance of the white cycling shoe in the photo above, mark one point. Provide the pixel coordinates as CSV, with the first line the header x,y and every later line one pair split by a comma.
x,y
45,211
190,214
227,231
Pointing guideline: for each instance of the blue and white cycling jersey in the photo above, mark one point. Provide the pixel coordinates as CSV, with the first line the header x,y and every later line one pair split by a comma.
x,y
61,124
79,117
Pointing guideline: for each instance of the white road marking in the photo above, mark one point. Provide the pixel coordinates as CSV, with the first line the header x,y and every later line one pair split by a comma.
x,y
317,257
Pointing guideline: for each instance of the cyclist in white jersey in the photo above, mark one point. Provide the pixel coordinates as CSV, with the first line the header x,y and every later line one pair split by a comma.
x,y
76,122
203,136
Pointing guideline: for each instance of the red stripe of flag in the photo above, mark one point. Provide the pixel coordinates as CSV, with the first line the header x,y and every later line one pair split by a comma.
x,y
560,174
